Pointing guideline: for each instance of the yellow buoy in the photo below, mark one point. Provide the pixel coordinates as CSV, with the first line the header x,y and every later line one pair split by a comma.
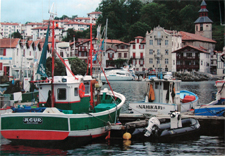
x,y
126,136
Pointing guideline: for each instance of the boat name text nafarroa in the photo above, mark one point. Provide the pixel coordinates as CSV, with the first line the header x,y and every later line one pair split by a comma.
x,y
150,107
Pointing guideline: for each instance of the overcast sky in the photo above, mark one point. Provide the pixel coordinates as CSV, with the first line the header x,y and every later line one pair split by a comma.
x,y
22,11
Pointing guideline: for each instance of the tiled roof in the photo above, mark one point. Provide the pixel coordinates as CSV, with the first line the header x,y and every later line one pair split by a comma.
x,y
45,27
189,46
95,12
7,23
143,41
139,37
111,49
36,23
194,37
85,18
113,41
77,23
9,43
49,40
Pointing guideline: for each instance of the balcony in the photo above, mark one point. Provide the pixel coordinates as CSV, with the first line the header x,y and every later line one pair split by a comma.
x,y
187,58
195,67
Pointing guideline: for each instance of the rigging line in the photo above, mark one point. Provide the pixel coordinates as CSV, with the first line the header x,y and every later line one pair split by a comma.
x,y
96,117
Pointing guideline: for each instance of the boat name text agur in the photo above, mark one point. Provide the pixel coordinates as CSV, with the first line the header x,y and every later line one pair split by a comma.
x,y
32,120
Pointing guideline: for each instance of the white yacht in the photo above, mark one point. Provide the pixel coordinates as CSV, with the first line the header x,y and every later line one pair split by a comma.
x,y
117,75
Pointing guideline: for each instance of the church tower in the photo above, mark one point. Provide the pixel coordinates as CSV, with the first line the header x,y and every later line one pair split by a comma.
x,y
203,25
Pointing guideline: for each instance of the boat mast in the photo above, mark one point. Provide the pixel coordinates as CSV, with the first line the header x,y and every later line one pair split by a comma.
x,y
53,55
90,53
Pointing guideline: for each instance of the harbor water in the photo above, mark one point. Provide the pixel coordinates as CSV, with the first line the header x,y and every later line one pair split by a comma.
x,y
206,144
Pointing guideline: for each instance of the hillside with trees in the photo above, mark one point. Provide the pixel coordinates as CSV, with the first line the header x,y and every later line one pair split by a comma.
x,y
130,18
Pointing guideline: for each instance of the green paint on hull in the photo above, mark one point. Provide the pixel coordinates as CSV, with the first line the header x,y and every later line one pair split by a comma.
x,y
48,123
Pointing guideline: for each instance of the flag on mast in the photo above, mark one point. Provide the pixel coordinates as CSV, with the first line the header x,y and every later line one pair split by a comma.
x,y
42,63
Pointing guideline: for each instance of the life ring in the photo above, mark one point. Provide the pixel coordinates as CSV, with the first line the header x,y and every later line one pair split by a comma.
x,y
222,58
81,90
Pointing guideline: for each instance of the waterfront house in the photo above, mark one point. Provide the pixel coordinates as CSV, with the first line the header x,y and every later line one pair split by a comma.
x,y
137,53
160,44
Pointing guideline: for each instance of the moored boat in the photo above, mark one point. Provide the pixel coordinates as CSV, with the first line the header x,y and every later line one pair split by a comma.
x,y
177,128
216,107
70,107
164,96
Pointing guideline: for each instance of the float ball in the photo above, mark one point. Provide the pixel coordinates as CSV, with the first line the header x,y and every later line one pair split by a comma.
x,y
126,136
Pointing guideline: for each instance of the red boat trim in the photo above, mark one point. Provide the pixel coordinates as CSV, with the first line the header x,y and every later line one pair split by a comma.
x,y
34,135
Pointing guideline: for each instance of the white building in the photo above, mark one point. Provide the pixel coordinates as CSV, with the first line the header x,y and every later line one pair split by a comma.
x,y
137,53
94,14
8,28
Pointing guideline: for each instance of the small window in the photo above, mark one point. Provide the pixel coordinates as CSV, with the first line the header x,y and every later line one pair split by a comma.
x,y
86,84
61,93
75,91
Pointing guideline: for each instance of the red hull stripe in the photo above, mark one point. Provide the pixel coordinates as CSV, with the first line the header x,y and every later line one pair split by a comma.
x,y
34,135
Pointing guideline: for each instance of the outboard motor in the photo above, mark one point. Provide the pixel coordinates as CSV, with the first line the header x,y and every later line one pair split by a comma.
x,y
175,120
153,125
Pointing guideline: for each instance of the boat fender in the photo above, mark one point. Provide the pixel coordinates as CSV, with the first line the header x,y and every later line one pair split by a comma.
x,y
81,90
153,126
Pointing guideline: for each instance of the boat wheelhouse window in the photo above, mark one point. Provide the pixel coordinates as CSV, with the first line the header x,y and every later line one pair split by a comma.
x,y
61,94
87,86
156,85
166,85
75,91
121,73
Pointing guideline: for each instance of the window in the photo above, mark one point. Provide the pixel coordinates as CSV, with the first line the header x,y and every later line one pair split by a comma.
x,y
158,52
189,54
150,42
166,52
133,46
150,51
61,53
141,46
61,93
201,27
1,51
166,61
174,62
133,55
158,42
142,55
151,60
0,66
75,91
110,55
166,42
125,55
201,62
158,61
86,84
137,40
119,55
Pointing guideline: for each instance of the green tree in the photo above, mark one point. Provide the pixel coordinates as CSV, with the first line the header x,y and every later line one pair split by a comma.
x,y
188,15
138,29
16,35
59,67
154,14
78,67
